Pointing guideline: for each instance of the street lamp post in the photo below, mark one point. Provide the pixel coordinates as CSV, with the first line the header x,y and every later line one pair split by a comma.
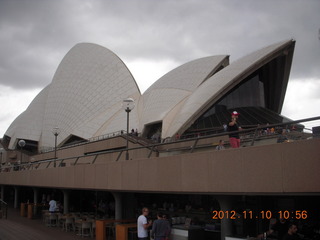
x,y
1,149
128,105
21,143
56,132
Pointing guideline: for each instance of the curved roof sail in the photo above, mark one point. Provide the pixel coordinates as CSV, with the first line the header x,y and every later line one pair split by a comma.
x,y
222,82
87,91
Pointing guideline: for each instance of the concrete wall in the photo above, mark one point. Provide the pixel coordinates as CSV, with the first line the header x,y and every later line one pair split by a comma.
x,y
278,168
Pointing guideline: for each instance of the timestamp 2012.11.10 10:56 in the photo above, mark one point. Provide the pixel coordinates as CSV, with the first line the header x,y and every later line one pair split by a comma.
x,y
264,214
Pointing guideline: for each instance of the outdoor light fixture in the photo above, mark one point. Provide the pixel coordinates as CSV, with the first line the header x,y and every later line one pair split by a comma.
x,y
21,144
56,132
128,105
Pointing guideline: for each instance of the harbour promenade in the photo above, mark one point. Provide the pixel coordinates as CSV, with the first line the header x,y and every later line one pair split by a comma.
x,y
16,227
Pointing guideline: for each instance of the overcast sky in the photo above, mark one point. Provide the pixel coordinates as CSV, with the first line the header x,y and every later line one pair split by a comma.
x,y
152,37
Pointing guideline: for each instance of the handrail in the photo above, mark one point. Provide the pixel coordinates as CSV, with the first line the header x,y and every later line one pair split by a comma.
x,y
92,139
154,147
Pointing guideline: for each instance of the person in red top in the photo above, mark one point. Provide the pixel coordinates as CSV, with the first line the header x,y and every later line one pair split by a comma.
x,y
234,138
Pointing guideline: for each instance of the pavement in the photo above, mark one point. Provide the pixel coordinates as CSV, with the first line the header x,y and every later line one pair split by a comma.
x,y
16,227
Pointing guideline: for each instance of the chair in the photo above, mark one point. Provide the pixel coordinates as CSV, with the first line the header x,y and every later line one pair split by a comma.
x,y
51,220
110,229
69,222
46,217
77,224
93,227
60,220
86,227
44,213
132,233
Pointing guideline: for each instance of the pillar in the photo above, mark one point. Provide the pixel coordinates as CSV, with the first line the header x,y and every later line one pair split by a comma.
x,y
118,205
65,201
35,195
16,196
226,204
35,200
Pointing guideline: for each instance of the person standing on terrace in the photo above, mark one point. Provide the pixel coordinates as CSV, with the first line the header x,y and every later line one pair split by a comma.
x,y
52,205
143,224
160,228
220,146
233,126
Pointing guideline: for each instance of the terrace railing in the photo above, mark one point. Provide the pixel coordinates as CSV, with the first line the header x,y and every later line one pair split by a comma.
x,y
249,137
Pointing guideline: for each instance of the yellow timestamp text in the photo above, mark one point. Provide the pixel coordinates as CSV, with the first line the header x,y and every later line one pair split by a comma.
x,y
264,214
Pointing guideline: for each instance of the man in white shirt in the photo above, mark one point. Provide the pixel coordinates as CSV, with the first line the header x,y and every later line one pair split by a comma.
x,y
52,206
143,224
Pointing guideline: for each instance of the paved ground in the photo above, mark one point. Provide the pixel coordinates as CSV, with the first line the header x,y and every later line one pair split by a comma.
x,y
22,228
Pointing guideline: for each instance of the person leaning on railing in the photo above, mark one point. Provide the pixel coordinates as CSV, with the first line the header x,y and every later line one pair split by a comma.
x,y
233,126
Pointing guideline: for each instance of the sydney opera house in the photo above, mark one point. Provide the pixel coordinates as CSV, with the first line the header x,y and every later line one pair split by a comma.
x,y
75,140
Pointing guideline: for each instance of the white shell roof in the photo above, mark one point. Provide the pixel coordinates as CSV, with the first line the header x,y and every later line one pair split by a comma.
x,y
217,85
86,92
166,93
28,124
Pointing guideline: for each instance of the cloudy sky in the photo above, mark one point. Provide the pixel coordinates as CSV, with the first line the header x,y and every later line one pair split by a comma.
x,y
153,37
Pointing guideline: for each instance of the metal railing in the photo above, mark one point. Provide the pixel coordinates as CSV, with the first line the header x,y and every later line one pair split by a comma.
x,y
248,136
93,139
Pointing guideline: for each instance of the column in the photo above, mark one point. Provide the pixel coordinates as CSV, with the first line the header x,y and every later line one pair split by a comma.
x,y
16,196
35,200
118,205
226,204
35,195
65,201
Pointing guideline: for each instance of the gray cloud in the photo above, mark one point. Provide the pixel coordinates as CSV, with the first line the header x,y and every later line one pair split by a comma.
x,y
36,34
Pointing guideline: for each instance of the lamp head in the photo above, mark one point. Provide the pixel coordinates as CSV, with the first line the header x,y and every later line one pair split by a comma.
x,y
22,143
128,104
56,131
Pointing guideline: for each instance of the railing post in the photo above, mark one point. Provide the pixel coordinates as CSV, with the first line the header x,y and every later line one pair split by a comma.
x,y
151,151
194,145
119,156
75,163
61,162
254,136
48,164
94,160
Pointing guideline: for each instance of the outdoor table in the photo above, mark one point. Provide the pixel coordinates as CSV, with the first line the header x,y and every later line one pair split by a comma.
x,y
101,226
122,230
23,209
30,210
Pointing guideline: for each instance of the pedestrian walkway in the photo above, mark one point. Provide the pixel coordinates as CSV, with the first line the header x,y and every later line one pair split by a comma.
x,y
16,227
